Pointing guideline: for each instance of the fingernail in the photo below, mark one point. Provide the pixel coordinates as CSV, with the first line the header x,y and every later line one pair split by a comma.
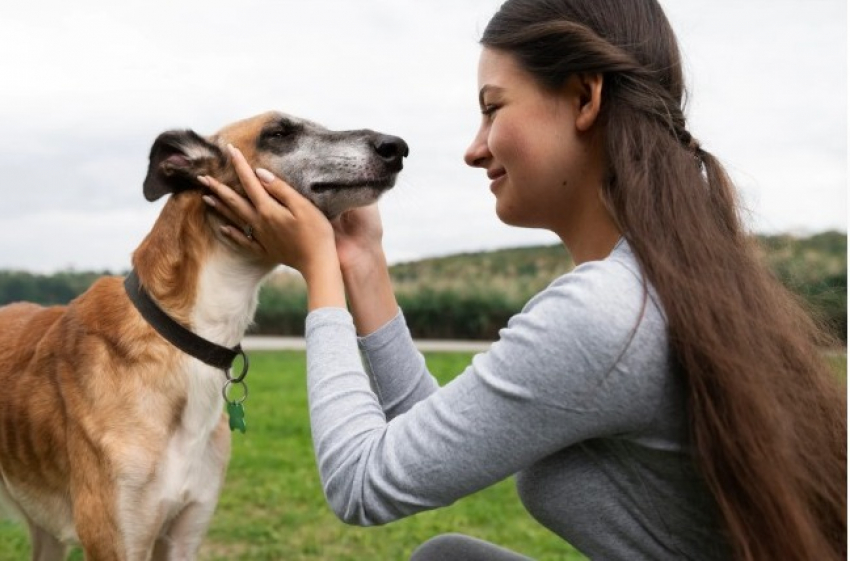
x,y
232,149
265,175
204,180
209,200
224,230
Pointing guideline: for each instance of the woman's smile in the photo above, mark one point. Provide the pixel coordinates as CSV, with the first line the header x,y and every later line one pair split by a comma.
x,y
496,176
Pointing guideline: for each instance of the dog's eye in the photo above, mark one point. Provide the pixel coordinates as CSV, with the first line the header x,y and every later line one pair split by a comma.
x,y
281,130
280,136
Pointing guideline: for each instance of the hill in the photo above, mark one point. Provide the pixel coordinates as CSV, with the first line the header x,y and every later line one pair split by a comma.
x,y
472,295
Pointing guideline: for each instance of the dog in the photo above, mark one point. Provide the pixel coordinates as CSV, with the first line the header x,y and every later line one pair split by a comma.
x,y
111,437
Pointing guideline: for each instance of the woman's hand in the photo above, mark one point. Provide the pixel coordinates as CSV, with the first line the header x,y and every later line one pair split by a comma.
x,y
359,233
281,226
364,268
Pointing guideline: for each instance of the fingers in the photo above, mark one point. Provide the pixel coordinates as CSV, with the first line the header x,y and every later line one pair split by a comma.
x,y
222,209
278,188
238,236
247,178
235,208
261,185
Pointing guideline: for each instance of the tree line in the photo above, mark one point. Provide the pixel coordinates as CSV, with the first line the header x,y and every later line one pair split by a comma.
x,y
472,295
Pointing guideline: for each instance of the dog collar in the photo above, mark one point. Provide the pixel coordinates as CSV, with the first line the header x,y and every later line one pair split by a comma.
x,y
194,345
178,335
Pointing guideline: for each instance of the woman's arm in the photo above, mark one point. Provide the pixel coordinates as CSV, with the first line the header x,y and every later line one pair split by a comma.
x,y
398,370
361,256
546,384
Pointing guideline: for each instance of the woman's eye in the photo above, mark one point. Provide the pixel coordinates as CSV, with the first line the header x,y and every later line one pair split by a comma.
x,y
488,110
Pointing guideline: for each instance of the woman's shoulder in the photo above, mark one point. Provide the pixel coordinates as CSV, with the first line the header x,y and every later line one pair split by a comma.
x,y
593,329
601,308
609,288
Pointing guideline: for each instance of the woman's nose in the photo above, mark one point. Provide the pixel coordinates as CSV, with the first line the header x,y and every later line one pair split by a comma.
x,y
477,153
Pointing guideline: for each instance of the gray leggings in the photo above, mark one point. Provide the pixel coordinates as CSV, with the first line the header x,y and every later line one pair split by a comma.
x,y
457,547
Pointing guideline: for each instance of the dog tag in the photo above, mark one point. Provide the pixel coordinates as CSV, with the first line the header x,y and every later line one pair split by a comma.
x,y
236,416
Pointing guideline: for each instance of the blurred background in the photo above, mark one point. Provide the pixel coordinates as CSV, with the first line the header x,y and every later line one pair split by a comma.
x,y
88,85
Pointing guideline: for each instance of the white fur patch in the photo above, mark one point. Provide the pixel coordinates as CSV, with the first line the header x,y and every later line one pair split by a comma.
x,y
190,470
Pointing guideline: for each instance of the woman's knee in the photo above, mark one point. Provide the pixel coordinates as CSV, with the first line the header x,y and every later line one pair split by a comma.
x,y
458,547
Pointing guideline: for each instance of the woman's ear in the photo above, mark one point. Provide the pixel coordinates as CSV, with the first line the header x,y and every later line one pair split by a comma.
x,y
587,87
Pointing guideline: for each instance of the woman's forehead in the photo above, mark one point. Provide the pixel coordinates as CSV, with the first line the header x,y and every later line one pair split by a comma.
x,y
498,68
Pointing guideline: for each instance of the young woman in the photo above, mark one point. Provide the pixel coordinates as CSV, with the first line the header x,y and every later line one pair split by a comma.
x,y
664,400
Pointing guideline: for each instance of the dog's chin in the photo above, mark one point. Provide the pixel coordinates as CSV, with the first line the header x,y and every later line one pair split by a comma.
x,y
333,198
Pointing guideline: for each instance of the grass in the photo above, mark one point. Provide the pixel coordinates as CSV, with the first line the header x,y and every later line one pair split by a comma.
x,y
272,507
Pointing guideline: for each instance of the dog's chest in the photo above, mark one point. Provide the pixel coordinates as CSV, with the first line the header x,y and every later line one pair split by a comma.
x,y
193,463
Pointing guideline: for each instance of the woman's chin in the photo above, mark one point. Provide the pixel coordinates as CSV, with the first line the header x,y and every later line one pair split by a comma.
x,y
507,213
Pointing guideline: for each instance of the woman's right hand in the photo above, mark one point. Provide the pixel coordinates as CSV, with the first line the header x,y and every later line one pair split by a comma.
x,y
358,234
364,268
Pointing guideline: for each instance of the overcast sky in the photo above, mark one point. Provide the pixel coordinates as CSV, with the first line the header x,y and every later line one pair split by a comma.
x,y
86,86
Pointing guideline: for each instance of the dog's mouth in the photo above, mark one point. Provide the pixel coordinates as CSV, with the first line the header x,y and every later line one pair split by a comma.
x,y
327,186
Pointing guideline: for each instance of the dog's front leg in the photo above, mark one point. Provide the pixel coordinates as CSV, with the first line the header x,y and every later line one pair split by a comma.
x,y
94,511
116,515
184,534
96,529
45,547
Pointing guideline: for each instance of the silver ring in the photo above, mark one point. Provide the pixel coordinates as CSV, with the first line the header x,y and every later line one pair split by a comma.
x,y
248,230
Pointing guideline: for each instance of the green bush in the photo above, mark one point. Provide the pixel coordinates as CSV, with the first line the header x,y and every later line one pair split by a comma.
x,y
472,295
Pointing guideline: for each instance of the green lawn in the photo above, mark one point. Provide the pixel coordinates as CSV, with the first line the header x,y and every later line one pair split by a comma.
x,y
272,507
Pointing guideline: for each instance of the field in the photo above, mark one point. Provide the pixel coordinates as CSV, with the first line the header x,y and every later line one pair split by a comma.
x,y
272,508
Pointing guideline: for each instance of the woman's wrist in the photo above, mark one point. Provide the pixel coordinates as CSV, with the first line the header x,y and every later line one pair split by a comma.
x,y
325,286
370,293
365,263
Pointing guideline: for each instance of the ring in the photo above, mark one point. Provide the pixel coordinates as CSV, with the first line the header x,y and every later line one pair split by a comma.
x,y
248,230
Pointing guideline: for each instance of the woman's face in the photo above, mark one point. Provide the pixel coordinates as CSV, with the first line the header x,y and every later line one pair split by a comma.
x,y
541,164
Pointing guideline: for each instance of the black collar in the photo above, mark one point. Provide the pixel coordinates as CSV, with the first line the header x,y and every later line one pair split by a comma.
x,y
175,333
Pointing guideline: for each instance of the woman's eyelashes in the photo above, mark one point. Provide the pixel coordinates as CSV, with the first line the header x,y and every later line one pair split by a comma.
x,y
489,109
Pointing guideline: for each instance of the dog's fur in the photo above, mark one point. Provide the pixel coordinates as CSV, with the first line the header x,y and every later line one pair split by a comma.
x,y
112,438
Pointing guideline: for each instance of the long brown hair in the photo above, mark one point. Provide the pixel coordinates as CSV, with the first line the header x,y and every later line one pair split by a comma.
x,y
767,414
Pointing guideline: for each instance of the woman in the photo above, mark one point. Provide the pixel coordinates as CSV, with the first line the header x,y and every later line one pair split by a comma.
x,y
664,400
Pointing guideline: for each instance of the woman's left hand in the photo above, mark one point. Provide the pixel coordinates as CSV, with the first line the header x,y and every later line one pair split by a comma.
x,y
281,225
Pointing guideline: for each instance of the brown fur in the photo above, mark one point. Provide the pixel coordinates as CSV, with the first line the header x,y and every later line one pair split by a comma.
x,y
92,396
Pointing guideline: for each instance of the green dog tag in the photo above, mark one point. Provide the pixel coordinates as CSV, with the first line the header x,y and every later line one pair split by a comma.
x,y
236,416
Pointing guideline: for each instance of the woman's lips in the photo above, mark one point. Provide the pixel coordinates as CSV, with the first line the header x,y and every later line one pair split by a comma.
x,y
495,176
495,173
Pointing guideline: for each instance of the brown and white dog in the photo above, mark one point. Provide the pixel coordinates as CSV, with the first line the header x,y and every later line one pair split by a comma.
x,y
112,438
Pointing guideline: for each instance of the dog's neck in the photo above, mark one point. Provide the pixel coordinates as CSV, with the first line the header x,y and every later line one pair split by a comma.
x,y
194,276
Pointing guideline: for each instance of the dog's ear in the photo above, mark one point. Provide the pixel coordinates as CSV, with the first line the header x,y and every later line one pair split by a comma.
x,y
177,158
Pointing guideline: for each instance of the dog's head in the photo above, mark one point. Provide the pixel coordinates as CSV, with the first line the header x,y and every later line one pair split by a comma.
x,y
336,170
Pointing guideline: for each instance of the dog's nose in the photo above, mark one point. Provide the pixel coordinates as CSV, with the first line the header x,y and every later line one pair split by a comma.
x,y
391,148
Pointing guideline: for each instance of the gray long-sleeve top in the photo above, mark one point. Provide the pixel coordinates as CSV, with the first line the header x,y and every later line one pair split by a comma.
x,y
578,398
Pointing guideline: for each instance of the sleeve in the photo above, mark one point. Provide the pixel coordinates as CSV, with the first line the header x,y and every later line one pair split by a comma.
x,y
558,375
398,370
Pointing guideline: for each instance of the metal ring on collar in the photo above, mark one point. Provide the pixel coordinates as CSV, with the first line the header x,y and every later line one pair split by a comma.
x,y
227,386
245,365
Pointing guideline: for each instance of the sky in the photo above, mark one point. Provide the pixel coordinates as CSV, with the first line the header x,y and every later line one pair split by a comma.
x,y
86,86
